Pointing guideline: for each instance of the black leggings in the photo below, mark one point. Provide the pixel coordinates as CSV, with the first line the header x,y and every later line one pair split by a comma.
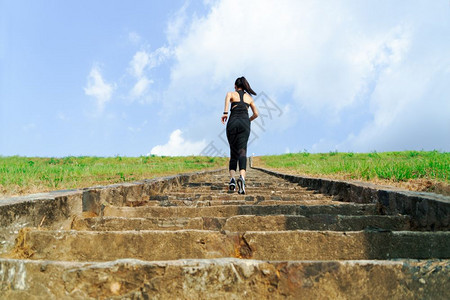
x,y
238,132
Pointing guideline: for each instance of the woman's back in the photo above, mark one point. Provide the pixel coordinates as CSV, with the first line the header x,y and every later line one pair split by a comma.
x,y
239,108
236,98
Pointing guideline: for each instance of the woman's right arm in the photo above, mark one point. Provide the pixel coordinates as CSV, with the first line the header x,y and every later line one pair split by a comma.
x,y
225,110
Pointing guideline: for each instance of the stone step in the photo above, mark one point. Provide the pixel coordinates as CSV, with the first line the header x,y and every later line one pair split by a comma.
x,y
226,278
203,244
224,188
315,222
196,203
189,238
251,175
248,190
207,189
267,184
247,223
231,210
234,196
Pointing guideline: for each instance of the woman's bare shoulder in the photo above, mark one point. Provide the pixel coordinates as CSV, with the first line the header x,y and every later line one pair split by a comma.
x,y
233,96
248,98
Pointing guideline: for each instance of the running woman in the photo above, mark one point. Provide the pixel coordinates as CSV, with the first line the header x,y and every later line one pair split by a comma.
x,y
238,129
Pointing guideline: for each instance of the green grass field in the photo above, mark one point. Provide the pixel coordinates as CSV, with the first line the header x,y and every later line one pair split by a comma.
x,y
24,175
21,175
395,166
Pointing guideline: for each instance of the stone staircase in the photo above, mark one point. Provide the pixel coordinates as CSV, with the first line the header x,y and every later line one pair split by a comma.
x,y
196,240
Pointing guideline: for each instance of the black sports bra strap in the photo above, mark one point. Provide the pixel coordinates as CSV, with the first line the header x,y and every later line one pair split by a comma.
x,y
238,106
241,95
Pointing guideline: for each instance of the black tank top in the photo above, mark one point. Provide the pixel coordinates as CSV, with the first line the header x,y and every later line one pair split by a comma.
x,y
239,109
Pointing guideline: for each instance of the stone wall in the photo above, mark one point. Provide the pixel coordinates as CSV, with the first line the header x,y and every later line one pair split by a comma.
x,y
428,211
57,209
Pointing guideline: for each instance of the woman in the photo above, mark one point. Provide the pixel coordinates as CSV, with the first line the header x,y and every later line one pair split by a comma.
x,y
238,129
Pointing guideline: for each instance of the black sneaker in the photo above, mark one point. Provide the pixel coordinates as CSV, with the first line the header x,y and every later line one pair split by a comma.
x,y
232,185
241,185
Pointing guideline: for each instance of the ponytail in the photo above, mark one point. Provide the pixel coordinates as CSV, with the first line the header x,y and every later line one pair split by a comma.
x,y
242,83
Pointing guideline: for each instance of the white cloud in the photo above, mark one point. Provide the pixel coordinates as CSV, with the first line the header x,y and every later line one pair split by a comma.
x,y
134,37
315,49
411,105
139,62
177,24
159,56
178,146
143,61
140,87
329,58
98,88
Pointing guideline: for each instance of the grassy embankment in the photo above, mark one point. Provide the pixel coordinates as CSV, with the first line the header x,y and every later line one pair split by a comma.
x,y
415,170
24,175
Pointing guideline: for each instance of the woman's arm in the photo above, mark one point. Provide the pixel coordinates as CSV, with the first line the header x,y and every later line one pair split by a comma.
x,y
254,110
225,110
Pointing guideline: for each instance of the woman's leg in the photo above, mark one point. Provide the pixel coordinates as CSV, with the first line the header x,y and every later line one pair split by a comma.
x,y
242,161
242,141
234,154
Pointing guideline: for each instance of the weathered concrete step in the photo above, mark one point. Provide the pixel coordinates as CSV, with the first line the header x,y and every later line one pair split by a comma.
x,y
260,181
247,223
223,196
206,185
226,278
236,196
269,245
231,210
202,203
120,223
316,222
252,175
248,190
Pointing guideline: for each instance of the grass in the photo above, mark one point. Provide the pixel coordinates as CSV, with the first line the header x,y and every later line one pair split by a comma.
x,y
22,175
393,166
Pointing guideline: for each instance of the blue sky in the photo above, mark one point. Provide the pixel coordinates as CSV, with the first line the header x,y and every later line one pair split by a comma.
x,y
112,78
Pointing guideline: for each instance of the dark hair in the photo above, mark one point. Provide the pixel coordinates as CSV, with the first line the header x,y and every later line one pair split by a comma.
x,y
242,83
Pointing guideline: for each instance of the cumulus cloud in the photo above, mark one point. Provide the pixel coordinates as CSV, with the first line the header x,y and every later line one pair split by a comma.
x,y
412,107
316,50
134,37
178,146
98,88
142,62
140,87
158,56
139,62
326,59
177,24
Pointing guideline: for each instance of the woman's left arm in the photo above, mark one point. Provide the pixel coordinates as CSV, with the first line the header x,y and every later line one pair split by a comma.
x,y
254,110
